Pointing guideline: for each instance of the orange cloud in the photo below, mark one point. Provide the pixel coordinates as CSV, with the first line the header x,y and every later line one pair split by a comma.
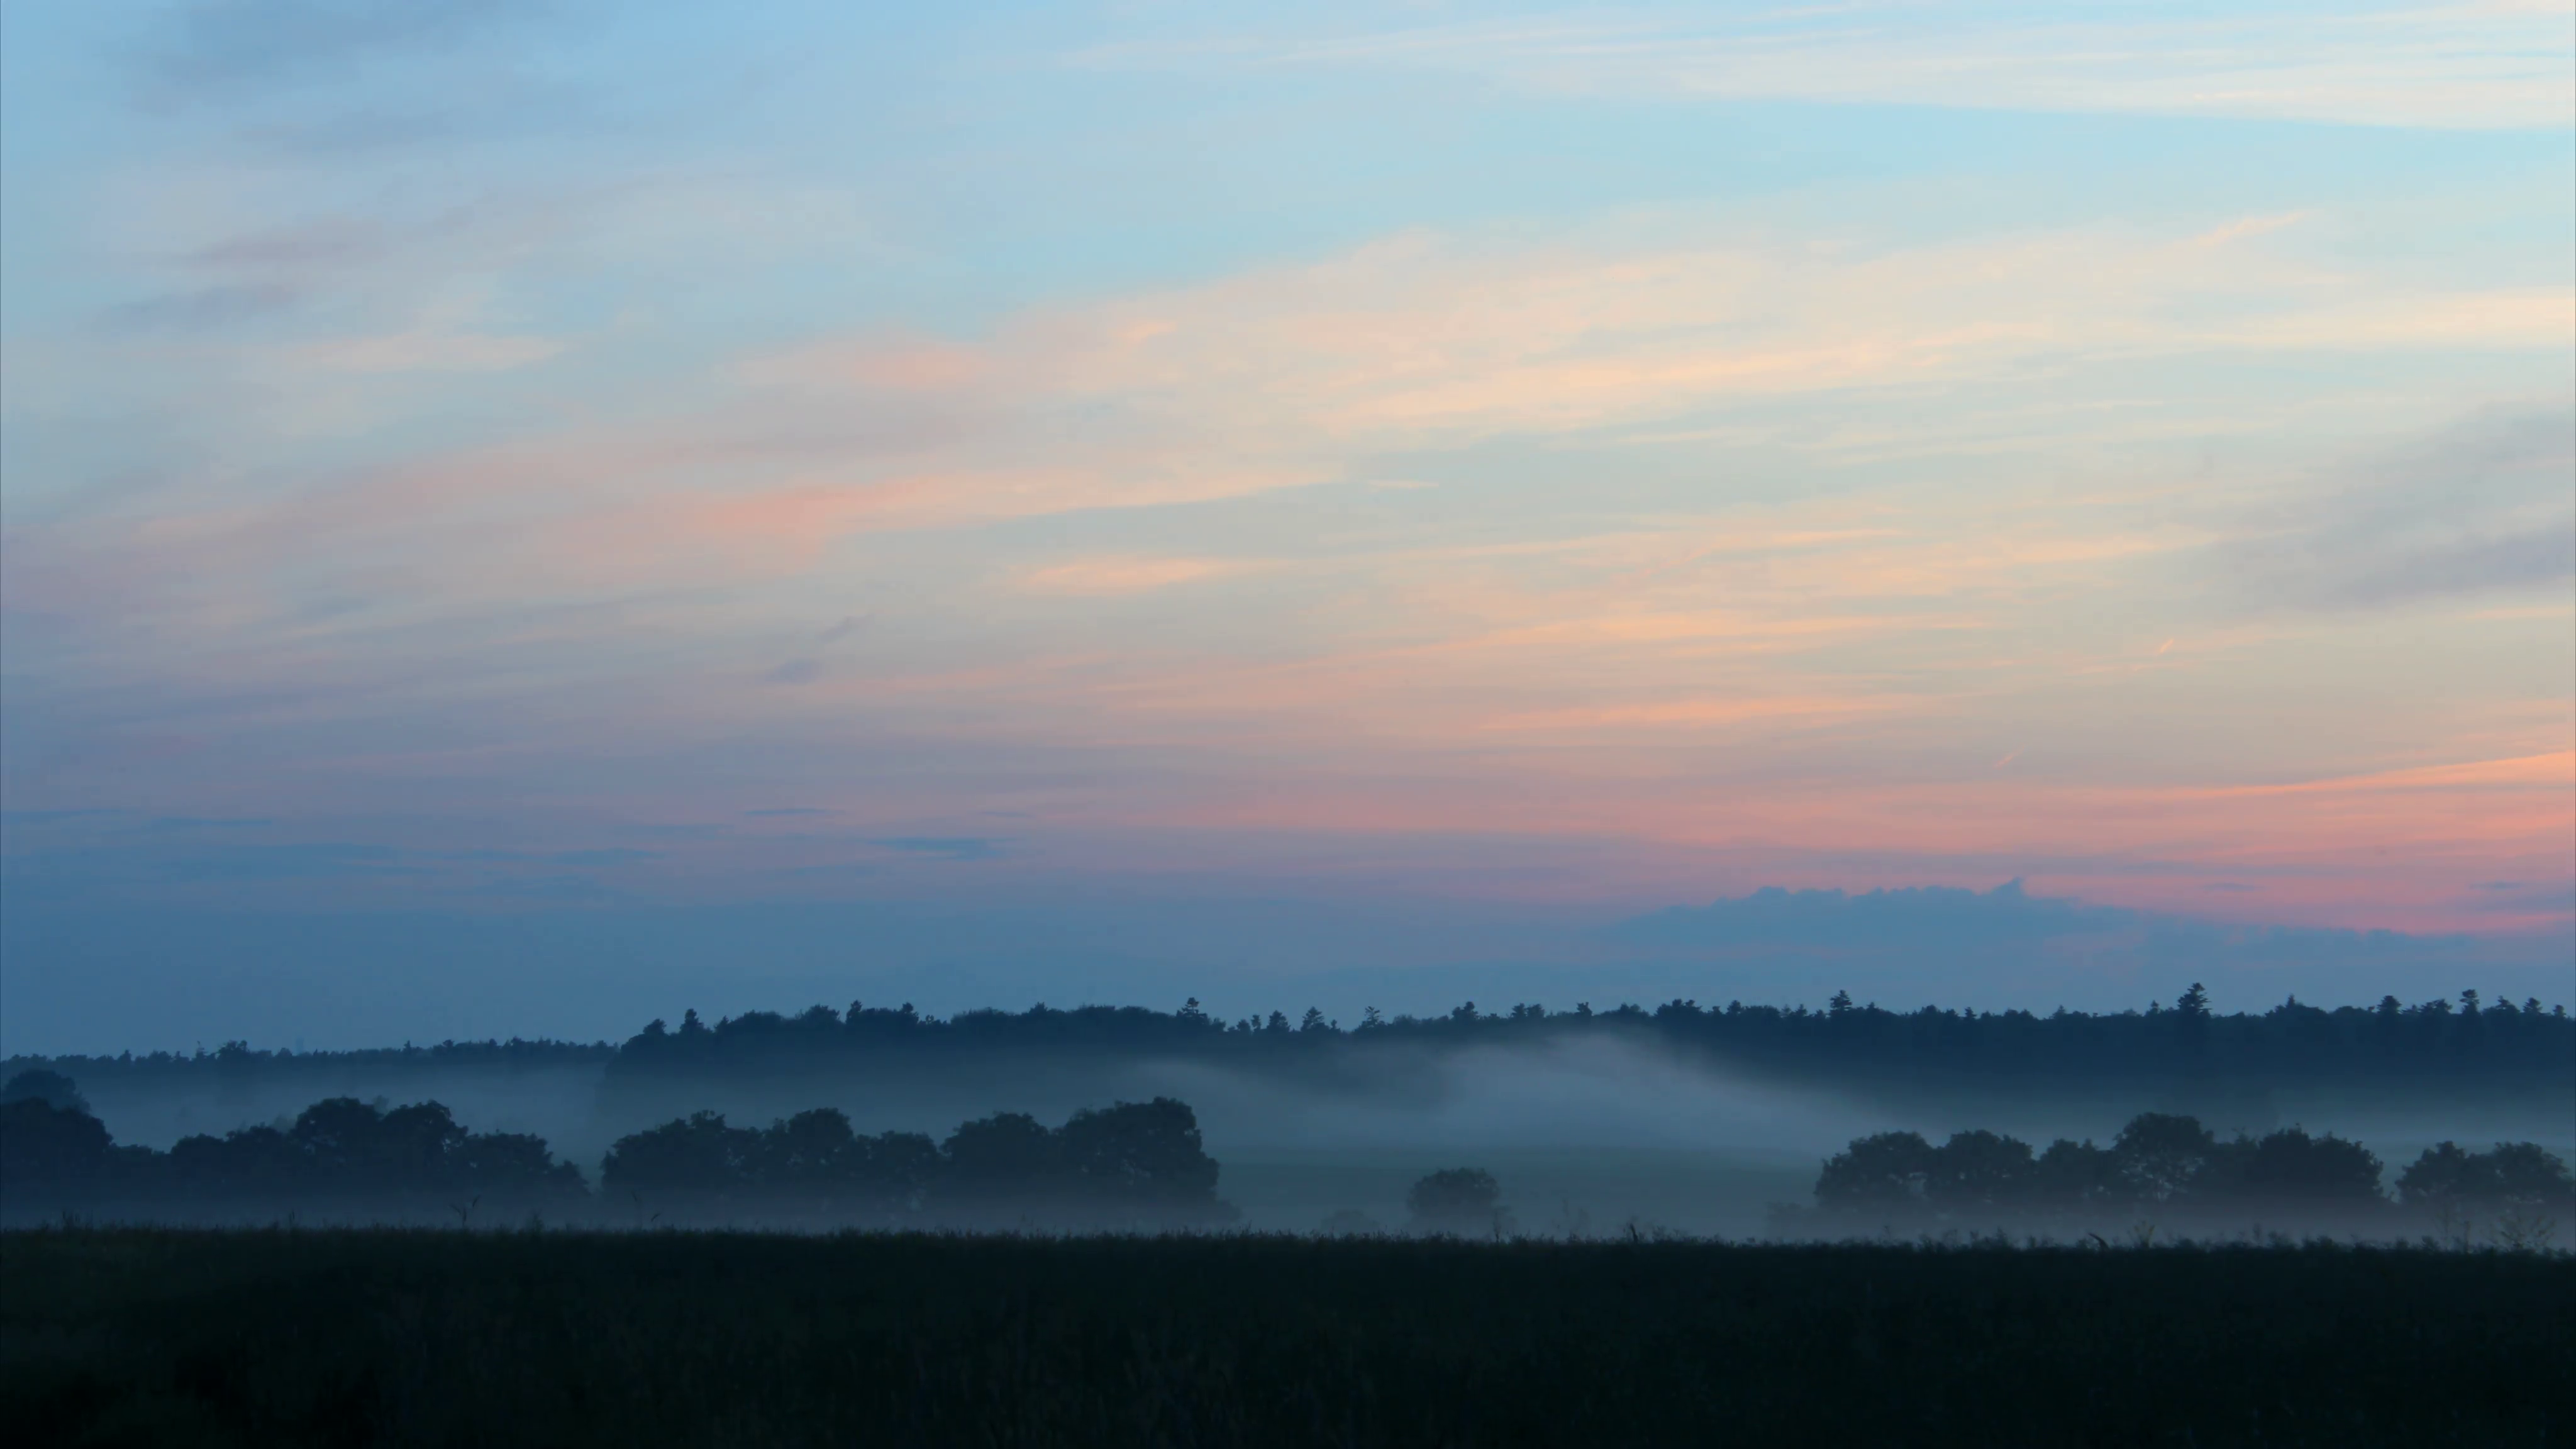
x,y
1122,575
1290,376
1839,670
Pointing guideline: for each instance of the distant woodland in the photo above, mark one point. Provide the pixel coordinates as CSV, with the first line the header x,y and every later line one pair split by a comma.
x,y
2463,1040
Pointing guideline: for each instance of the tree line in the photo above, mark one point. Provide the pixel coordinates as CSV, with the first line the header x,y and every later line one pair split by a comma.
x,y
2170,1166
2465,1039
1131,1164
340,1152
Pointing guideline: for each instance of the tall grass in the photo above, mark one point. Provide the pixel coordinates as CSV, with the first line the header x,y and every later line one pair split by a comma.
x,y
283,1337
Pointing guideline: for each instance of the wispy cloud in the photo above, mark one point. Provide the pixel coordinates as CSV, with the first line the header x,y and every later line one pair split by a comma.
x,y
1122,575
946,847
203,308
2451,66
229,44
1284,377
2488,506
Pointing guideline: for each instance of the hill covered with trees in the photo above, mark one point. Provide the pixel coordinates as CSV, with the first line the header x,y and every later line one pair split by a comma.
x,y
2438,1039
2463,1043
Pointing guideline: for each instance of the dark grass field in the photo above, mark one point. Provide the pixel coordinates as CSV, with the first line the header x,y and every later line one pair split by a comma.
x,y
400,1337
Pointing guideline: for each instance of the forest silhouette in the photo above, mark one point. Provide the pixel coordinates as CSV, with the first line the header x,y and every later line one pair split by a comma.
x,y
2459,1043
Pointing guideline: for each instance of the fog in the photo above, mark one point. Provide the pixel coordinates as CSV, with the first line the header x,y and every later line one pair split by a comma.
x,y
1586,1133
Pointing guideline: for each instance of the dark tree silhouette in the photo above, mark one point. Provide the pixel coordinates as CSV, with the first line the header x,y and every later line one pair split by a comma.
x,y
1978,1169
1145,1154
345,1148
2159,1155
37,1084
901,1168
1887,1170
45,1147
2512,1173
512,1160
1128,1164
814,1151
2292,1167
2164,1163
2191,1021
695,1154
1007,1156
2073,1175
1457,1200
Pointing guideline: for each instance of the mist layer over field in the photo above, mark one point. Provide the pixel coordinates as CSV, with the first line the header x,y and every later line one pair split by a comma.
x,y
1586,1133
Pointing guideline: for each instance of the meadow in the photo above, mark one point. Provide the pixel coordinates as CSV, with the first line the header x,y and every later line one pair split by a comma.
x,y
296,1337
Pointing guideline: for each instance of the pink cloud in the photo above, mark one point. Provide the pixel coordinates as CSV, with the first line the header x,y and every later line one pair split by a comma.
x,y
1830,672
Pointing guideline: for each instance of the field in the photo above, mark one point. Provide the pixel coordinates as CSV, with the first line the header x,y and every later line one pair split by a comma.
x,y
284,1337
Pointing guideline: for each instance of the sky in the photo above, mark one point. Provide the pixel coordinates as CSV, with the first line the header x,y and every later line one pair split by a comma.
x,y
519,517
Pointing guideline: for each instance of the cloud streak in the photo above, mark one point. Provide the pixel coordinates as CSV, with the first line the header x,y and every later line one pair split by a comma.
x,y
2453,66
1289,377
225,45
2486,506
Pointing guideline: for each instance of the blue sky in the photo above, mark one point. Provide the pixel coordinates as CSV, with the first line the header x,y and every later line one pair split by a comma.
x,y
522,471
